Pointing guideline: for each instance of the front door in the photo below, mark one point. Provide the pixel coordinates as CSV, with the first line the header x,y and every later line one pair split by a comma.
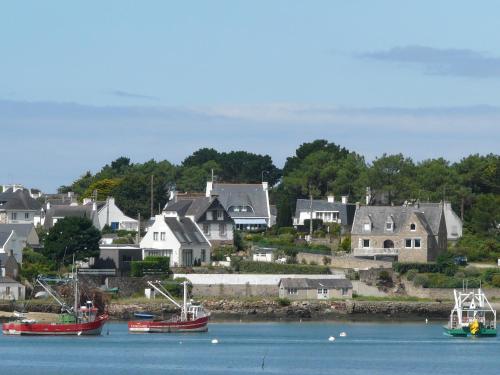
x,y
187,257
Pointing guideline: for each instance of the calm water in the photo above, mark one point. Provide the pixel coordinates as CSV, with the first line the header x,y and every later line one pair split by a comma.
x,y
287,348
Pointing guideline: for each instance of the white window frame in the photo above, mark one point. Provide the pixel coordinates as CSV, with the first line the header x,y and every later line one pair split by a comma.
x,y
411,243
415,243
220,215
363,243
292,291
162,236
367,227
13,215
26,215
155,236
414,227
222,229
206,229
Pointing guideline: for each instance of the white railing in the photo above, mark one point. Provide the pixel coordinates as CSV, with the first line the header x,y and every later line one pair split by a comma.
x,y
373,251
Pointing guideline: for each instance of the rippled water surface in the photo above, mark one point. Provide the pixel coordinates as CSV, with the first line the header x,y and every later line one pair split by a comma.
x,y
257,348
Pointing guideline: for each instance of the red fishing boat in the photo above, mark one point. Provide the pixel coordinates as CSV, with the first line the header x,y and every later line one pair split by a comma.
x,y
73,320
192,318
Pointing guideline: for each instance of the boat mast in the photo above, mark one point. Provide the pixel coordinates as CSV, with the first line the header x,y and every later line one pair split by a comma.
x,y
184,306
75,280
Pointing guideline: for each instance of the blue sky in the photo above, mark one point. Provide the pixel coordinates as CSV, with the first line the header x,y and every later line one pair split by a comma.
x,y
82,83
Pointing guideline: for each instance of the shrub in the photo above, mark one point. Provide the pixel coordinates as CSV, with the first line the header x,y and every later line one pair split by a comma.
x,y
384,276
220,253
421,280
495,281
245,266
287,230
410,275
420,267
345,245
150,266
175,288
327,260
283,302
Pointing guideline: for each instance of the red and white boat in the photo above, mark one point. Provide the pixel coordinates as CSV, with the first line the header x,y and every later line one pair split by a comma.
x,y
193,317
84,320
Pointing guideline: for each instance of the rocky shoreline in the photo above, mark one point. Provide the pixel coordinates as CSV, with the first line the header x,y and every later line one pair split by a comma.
x,y
273,310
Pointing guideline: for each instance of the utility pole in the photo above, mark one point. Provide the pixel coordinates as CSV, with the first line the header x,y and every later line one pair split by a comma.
x,y
138,236
152,195
310,212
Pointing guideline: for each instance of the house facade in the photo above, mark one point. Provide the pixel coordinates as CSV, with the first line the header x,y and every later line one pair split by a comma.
x,y
10,289
304,288
177,237
10,244
118,257
109,214
454,225
247,204
9,266
18,207
405,233
207,213
26,234
329,211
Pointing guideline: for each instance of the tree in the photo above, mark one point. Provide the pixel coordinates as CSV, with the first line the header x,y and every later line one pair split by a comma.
x,y
72,235
484,216
104,188
393,175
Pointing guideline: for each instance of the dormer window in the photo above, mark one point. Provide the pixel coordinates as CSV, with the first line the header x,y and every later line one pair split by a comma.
x,y
413,227
367,226
389,224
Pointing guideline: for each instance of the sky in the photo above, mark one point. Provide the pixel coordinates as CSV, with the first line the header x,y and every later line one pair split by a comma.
x,y
85,82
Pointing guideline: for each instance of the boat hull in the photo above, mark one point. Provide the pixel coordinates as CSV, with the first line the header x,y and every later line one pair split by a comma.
x,y
464,332
55,329
197,325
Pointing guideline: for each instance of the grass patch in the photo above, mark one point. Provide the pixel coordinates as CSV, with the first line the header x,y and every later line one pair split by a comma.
x,y
391,299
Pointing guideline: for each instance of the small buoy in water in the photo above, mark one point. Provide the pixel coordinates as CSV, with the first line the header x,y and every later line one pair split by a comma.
x,y
215,341
79,333
426,320
343,334
331,338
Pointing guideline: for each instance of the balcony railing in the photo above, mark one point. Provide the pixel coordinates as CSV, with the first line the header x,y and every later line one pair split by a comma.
x,y
374,251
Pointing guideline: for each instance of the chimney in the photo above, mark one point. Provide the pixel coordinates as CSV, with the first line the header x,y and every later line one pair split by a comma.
x,y
344,199
331,198
48,206
265,185
368,195
210,186
172,196
94,206
357,205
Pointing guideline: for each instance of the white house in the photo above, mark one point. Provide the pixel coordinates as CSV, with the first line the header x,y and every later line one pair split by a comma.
x,y
247,204
18,207
329,211
11,244
26,233
179,238
10,289
263,254
207,213
109,214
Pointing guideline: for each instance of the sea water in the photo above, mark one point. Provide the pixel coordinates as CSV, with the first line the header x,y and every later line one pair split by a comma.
x,y
257,348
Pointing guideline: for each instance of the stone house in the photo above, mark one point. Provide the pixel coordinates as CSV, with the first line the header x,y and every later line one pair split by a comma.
x,y
10,289
9,266
404,233
304,288
207,213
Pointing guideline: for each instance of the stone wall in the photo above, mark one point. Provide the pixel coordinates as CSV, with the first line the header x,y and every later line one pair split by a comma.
x,y
316,258
128,286
348,261
441,293
247,290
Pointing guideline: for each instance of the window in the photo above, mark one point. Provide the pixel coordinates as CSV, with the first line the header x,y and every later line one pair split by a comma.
x,y
203,255
114,225
367,227
244,209
222,229
366,243
408,243
155,236
206,229
7,290
344,291
158,253
220,215
26,215
292,291
162,236
416,242
209,215
388,225
413,227
13,215
322,291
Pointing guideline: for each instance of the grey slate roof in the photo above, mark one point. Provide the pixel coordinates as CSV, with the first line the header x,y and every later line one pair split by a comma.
x,y
4,236
195,207
252,195
22,230
185,231
7,280
18,200
346,211
315,283
68,211
429,216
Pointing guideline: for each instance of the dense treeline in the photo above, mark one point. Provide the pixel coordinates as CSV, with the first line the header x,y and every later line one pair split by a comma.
x,y
318,168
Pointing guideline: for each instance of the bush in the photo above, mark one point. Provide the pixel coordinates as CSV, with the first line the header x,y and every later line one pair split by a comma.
x,y
345,245
410,275
175,288
495,281
327,260
287,230
220,253
283,302
150,266
384,276
420,267
245,266
421,280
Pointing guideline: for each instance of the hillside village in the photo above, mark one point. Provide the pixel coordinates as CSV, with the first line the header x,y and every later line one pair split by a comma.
x,y
232,239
